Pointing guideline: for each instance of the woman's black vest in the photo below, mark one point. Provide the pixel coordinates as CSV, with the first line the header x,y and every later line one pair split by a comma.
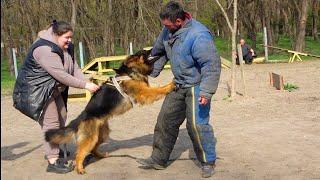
x,y
34,85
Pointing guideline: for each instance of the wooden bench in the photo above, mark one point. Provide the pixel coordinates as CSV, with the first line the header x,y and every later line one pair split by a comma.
x,y
295,55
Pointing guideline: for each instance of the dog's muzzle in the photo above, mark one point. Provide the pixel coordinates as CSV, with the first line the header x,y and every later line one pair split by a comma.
x,y
153,59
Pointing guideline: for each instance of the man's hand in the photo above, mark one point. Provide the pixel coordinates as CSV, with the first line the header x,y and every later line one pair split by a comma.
x,y
203,100
252,51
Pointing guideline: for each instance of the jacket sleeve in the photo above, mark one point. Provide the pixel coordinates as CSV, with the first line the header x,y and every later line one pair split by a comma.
x,y
52,63
158,66
159,50
206,56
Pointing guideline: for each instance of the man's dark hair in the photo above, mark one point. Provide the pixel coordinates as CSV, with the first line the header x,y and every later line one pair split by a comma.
x,y
172,11
61,27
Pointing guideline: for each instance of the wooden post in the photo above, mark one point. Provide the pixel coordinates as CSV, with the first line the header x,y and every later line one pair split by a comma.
x,y
130,49
15,62
81,54
265,38
276,81
242,71
2,51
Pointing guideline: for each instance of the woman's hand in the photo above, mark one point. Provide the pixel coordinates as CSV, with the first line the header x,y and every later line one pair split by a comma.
x,y
92,87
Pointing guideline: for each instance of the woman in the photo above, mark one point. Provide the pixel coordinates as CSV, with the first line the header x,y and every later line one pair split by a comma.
x,y
41,89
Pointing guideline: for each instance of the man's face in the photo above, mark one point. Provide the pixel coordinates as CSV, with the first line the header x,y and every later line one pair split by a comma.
x,y
173,27
242,42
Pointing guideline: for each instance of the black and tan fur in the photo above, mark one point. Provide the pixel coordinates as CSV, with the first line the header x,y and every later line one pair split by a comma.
x,y
91,127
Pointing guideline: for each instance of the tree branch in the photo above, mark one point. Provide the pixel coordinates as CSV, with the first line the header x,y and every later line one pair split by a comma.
x,y
225,15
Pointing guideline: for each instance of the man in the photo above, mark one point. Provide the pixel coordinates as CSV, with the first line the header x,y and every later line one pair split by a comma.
x,y
247,52
196,67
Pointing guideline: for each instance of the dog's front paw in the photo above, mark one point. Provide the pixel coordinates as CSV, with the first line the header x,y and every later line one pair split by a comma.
x,y
81,171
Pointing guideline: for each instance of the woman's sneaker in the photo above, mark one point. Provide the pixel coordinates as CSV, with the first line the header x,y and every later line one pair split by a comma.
x,y
59,167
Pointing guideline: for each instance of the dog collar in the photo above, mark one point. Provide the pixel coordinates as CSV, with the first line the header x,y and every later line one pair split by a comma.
x,y
122,78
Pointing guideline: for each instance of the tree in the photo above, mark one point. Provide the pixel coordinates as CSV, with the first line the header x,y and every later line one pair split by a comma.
x,y
315,16
234,45
301,30
74,14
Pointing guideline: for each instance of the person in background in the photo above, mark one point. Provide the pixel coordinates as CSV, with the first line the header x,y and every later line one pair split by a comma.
x,y
247,52
41,88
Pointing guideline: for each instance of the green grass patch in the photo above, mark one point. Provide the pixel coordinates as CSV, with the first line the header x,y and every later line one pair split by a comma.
x,y
7,80
224,47
290,87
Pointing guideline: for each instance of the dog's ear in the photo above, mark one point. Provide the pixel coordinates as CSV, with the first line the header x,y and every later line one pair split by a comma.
x,y
140,53
118,71
148,52
152,59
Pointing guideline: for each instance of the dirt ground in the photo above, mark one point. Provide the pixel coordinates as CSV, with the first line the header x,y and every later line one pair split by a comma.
x,y
270,135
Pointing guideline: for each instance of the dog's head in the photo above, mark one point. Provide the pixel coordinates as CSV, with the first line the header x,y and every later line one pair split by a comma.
x,y
139,63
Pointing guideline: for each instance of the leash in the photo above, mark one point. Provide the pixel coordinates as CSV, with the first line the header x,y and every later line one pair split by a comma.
x,y
117,85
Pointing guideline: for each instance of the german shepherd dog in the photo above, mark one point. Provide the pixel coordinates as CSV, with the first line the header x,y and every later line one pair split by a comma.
x,y
91,128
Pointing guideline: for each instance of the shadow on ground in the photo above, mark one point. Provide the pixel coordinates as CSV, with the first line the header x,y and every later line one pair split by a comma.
x,y
183,144
8,155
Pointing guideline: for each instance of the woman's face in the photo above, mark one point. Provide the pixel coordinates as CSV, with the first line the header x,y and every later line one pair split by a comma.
x,y
65,39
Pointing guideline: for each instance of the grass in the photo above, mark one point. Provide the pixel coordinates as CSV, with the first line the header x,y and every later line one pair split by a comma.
x,y
290,87
7,80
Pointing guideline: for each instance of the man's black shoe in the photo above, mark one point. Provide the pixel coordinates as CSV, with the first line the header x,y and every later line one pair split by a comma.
x,y
61,154
59,167
207,171
149,163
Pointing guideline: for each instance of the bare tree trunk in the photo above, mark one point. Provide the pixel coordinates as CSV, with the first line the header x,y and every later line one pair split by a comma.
x,y
234,45
300,38
234,50
195,13
286,27
74,14
277,21
315,15
125,36
110,30
253,34
90,45
267,15
25,14
9,51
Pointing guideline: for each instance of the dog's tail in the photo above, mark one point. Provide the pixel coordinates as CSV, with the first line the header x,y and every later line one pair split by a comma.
x,y
65,134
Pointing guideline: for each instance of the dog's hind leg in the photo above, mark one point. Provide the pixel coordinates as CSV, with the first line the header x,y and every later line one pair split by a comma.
x,y
103,136
84,147
86,141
